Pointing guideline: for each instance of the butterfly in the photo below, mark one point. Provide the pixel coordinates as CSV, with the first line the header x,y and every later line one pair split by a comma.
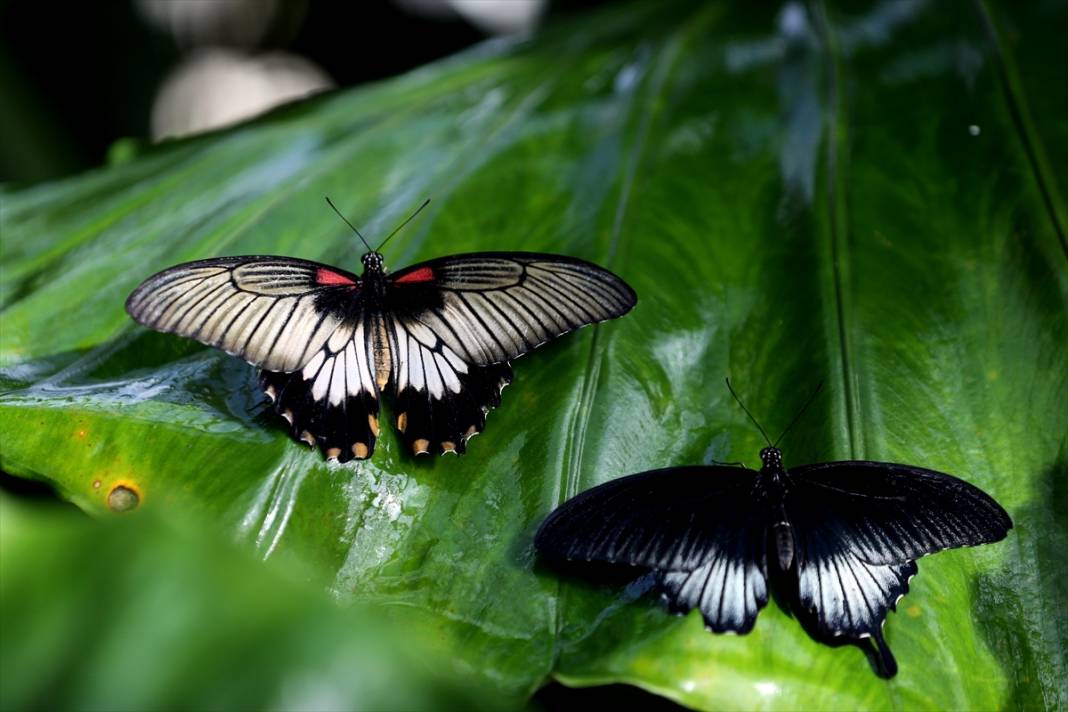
x,y
436,337
841,537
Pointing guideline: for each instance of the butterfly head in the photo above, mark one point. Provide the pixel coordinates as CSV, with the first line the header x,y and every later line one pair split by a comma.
x,y
771,457
372,262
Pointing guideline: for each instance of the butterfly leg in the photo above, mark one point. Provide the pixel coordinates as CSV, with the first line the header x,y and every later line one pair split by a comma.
x,y
729,464
342,429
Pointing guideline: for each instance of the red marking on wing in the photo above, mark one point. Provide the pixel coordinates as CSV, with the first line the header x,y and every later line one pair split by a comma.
x,y
329,277
423,274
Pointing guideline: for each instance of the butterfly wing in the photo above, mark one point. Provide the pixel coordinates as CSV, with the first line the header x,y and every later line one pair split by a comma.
x,y
457,321
858,526
847,596
890,513
302,322
274,312
441,400
842,594
729,589
332,401
492,307
701,529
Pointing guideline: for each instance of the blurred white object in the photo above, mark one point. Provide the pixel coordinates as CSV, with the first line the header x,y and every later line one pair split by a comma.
x,y
233,23
215,88
496,17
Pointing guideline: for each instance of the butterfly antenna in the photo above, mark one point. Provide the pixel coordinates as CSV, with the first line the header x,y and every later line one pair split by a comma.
x,y
331,204
410,218
801,412
731,389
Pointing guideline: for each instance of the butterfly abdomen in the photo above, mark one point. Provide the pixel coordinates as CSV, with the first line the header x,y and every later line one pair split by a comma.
x,y
783,539
772,485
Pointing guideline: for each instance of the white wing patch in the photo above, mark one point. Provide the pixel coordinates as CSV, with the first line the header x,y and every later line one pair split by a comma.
x,y
424,362
342,367
849,596
729,589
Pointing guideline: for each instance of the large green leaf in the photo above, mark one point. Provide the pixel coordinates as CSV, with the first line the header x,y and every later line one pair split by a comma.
x,y
859,195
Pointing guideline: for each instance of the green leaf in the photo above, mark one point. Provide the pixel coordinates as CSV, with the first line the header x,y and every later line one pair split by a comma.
x,y
860,195
133,614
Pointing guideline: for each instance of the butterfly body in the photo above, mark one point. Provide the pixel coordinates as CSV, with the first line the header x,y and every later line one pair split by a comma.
x,y
436,337
841,538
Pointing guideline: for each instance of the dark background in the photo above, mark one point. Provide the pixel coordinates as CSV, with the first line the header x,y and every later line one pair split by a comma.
x,y
74,77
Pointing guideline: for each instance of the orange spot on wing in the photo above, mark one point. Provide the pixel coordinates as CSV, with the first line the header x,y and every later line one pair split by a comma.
x,y
423,274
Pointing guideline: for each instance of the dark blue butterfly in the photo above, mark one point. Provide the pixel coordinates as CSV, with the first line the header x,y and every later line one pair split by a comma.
x,y
841,538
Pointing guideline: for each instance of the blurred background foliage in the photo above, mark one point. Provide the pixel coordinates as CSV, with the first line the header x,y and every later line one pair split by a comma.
x,y
865,192
157,616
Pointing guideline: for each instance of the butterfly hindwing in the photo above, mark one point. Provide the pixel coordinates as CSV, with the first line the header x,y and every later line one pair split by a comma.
x,y
332,401
889,513
844,595
730,588
274,312
701,529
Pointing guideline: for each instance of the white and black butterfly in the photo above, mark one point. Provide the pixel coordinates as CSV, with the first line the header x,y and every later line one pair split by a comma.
x,y
840,538
437,337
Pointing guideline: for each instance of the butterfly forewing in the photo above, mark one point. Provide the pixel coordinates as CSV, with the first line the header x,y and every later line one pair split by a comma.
x,y
670,519
493,307
267,310
887,513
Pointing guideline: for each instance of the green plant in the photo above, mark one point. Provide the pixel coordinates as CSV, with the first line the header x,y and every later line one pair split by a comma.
x,y
865,196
